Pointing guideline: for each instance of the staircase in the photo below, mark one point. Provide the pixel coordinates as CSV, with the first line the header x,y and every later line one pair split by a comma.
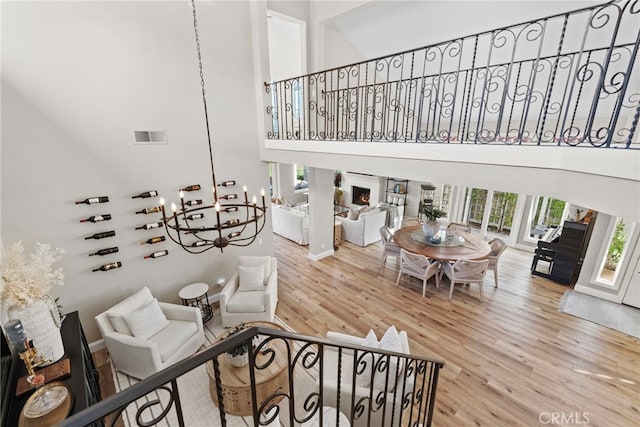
x,y
406,397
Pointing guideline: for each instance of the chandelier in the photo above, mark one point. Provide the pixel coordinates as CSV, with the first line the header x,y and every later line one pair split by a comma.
x,y
237,221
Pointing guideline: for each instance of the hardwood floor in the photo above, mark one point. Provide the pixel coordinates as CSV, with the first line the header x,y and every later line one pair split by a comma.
x,y
512,359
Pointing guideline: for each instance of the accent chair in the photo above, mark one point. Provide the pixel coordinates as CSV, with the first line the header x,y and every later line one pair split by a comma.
x,y
251,294
144,336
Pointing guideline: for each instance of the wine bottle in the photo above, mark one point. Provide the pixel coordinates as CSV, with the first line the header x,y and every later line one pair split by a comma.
x,y
193,202
194,187
153,240
149,210
97,218
229,196
150,226
227,184
101,235
229,209
198,243
195,216
92,200
234,234
157,254
230,223
146,195
107,267
106,251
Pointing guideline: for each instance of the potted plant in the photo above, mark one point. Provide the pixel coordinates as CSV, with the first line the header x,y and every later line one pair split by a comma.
x,y
238,355
430,225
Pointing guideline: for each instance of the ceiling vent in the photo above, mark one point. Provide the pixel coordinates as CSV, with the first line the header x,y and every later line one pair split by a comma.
x,y
145,137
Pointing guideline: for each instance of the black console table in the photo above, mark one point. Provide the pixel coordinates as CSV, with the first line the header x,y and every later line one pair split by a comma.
x,y
83,379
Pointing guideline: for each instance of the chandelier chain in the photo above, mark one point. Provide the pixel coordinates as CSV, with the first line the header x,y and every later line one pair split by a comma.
x,y
204,96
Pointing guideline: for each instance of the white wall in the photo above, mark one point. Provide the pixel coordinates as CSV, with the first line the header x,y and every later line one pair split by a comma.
x,y
77,79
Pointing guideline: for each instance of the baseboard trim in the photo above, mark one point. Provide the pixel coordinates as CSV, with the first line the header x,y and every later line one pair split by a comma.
x,y
318,257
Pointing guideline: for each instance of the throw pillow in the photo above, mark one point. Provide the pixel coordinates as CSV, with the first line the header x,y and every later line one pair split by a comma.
x,y
118,312
250,278
257,261
364,379
354,214
390,341
147,320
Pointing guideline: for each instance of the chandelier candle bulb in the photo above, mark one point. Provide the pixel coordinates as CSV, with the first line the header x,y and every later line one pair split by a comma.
x,y
106,251
150,226
153,240
97,218
92,200
195,187
110,266
157,254
181,194
149,210
145,195
101,235
246,198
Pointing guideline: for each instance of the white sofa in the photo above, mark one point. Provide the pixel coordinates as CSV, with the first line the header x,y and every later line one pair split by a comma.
x,y
140,357
330,382
366,229
291,222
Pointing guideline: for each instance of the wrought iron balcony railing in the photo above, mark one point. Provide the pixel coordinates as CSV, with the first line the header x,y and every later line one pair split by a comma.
x,y
567,79
401,388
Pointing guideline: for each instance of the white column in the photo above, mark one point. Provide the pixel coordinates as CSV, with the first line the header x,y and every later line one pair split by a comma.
x,y
321,217
467,204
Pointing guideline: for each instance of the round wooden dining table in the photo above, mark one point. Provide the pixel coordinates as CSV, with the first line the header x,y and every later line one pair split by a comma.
x,y
474,247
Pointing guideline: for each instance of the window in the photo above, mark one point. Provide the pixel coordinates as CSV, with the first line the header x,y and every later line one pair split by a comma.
x,y
476,206
301,179
546,213
616,250
502,209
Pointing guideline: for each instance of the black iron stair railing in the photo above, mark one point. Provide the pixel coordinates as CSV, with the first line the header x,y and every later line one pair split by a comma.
x,y
567,79
407,397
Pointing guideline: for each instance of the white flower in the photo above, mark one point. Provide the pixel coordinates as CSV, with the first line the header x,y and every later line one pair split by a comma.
x,y
27,279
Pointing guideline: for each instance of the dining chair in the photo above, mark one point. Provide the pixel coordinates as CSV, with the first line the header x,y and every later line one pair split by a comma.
x,y
465,271
389,247
497,248
420,267
455,226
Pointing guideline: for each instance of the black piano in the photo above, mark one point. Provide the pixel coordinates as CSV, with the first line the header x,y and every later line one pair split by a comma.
x,y
563,254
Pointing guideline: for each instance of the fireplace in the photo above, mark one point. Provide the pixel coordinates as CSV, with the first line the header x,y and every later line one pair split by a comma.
x,y
360,195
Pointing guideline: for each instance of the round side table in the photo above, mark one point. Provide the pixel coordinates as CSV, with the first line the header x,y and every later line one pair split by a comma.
x,y
197,295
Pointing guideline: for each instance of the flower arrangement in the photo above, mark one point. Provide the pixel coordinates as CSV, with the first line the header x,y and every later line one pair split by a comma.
x,y
432,213
27,279
242,348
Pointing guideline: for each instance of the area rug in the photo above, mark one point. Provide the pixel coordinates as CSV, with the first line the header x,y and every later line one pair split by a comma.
x,y
620,317
197,406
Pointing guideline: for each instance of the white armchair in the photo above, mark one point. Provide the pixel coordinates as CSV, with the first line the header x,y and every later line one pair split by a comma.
x,y
251,294
144,336
366,229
